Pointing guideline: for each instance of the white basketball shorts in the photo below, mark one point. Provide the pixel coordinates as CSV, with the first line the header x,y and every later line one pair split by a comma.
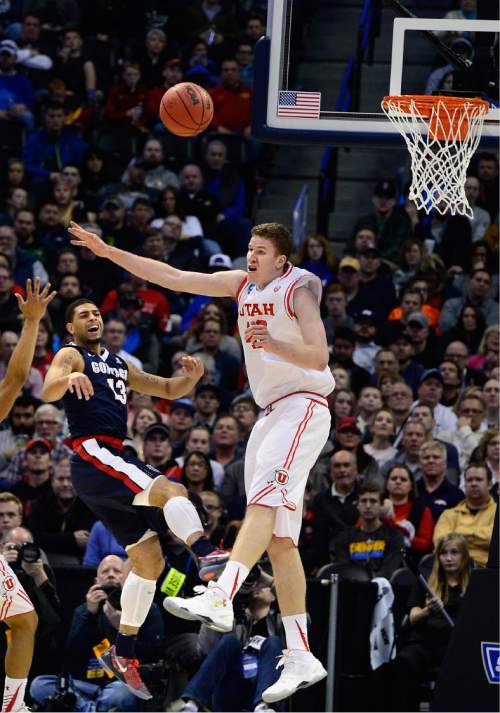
x,y
13,598
283,447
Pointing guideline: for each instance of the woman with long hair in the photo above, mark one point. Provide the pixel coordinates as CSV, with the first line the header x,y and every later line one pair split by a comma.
x,y
487,356
396,684
410,258
144,417
169,204
342,404
382,429
488,451
316,255
197,472
410,516
469,328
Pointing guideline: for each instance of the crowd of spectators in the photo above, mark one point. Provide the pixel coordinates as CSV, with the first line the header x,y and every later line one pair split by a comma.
x,y
410,312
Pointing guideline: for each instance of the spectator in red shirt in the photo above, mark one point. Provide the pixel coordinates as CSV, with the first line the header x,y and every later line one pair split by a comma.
x,y
232,101
125,99
154,302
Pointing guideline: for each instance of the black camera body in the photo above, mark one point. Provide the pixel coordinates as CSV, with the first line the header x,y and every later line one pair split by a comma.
x,y
27,552
114,592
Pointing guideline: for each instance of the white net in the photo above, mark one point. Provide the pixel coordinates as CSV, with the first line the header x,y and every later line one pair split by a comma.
x,y
441,137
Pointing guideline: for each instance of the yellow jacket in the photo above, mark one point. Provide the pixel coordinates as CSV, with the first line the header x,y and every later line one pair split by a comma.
x,y
475,527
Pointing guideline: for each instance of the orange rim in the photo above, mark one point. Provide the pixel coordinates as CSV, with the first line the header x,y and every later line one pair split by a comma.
x,y
449,125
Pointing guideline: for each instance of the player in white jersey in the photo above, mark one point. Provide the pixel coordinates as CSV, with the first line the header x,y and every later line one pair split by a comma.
x,y
286,355
16,609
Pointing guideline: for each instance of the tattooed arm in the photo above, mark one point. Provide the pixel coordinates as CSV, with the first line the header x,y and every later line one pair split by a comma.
x,y
65,373
172,388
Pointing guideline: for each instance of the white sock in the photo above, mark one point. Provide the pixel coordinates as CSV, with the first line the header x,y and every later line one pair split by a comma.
x,y
296,632
136,598
182,517
232,577
13,693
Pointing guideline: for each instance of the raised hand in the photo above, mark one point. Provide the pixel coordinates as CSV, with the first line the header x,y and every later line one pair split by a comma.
x,y
85,239
35,304
192,367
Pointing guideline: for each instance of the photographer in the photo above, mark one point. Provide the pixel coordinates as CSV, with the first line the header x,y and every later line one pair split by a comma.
x,y
95,624
241,665
29,565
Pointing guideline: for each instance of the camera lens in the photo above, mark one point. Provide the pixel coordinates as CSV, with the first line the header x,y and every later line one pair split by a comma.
x,y
29,552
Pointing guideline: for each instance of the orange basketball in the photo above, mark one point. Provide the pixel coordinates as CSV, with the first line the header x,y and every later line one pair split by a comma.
x,y
186,109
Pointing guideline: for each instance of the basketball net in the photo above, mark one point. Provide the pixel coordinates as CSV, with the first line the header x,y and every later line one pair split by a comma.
x,y
441,134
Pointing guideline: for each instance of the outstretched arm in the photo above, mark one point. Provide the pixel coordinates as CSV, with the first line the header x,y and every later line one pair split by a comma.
x,y
173,388
33,309
218,284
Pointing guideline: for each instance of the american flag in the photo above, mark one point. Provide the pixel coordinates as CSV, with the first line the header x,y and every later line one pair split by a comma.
x,y
304,105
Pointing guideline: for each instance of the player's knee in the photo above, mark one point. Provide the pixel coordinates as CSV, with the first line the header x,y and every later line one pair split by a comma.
x,y
27,623
163,490
279,547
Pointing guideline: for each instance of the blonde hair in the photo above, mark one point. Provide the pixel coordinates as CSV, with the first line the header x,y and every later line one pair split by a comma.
x,y
437,580
492,329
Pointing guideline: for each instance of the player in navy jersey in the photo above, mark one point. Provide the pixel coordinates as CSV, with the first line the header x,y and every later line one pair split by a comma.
x,y
121,490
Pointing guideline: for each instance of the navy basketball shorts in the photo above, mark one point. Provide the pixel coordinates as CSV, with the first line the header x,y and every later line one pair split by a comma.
x,y
107,481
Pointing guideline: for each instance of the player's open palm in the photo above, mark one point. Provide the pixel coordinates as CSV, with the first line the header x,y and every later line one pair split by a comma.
x,y
80,385
86,239
192,367
35,304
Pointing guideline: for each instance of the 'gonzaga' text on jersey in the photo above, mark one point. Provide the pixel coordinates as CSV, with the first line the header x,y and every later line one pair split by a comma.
x,y
105,413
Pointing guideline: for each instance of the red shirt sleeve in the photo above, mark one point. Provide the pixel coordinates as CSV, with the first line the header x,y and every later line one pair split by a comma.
x,y
110,302
425,530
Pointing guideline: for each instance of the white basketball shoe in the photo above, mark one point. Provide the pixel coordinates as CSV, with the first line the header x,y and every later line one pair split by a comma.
x,y
300,670
212,606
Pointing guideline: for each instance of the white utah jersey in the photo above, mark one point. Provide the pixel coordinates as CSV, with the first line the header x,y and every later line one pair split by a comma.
x,y
271,377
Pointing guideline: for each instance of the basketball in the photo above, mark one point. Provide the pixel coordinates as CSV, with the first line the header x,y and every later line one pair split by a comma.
x,y
186,109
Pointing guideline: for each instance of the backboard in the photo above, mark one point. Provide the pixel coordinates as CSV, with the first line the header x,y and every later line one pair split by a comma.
x,y
325,85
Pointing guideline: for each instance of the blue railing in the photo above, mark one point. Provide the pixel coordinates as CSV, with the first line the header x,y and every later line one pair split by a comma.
x,y
348,100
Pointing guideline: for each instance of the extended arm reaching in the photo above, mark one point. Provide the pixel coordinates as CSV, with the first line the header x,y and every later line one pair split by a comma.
x,y
33,309
172,388
218,284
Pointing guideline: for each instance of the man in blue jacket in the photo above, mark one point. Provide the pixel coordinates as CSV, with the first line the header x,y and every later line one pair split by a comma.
x,y
54,146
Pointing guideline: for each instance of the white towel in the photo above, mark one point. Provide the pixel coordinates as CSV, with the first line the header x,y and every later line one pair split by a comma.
x,y
382,647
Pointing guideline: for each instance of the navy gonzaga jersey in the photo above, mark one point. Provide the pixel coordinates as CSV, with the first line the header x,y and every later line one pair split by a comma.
x,y
105,413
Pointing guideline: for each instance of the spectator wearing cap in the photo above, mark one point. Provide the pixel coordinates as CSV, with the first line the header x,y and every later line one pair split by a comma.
x,y
181,419
376,290
246,411
17,96
344,343
430,391
141,339
157,449
226,439
334,509
365,329
348,437
158,177
435,490
391,225
154,302
226,185
207,402
232,101
115,334
336,311
52,147
123,106
424,339
401,345
60,521
478,291
172,74
349,276
35,473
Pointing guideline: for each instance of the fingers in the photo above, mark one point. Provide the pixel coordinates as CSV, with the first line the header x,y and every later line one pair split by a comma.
x,y
29,289
50,297
36,290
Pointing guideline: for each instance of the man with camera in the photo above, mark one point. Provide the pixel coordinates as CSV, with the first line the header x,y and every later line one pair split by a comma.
x,y
94,625
239,666
16,609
